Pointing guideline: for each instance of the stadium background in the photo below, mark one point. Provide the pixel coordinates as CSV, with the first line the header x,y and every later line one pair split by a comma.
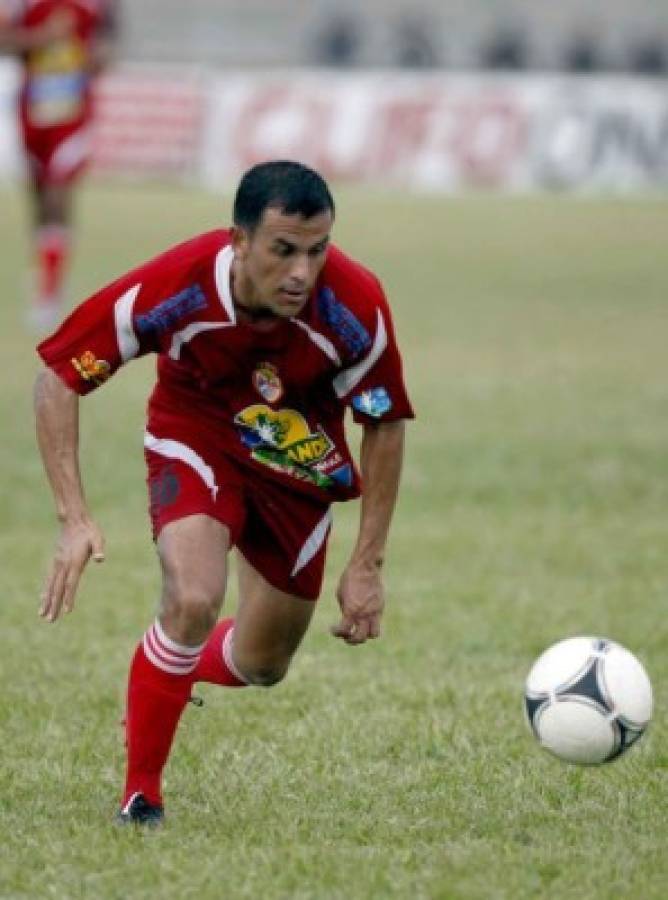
x,y
438,96
503,167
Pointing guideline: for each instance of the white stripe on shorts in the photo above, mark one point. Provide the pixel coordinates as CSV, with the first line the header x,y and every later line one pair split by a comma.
x,y
176,450
313,543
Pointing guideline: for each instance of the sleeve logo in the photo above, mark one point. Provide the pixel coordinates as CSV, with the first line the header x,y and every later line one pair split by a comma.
x,y
343,322
374,403
169,312
91,368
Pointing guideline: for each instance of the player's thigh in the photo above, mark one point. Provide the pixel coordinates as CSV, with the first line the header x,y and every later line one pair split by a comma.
x,y
193,525
193,557
270,623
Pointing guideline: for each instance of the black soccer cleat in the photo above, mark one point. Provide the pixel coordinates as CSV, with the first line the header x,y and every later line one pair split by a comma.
x,y
138,811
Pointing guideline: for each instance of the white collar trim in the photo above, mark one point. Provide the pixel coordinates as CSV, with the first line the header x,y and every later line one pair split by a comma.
x,y
222,276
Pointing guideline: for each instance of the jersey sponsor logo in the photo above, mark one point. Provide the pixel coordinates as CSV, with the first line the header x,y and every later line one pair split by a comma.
x,y
375,402
57,83
282,440
169,312
343,322
91,368
267,383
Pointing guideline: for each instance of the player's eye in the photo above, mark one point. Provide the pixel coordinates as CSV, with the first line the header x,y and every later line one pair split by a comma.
x,y
318,249
283,250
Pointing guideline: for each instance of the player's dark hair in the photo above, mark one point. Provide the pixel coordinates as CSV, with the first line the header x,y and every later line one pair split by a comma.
x,y
289,186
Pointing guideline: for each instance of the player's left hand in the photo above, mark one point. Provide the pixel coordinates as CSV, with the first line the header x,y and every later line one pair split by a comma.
x,y
361,597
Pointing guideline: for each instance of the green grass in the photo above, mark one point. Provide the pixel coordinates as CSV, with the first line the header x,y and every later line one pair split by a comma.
x,y
534,507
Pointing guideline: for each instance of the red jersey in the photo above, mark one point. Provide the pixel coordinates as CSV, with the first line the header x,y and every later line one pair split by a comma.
x,y
56,87
274,400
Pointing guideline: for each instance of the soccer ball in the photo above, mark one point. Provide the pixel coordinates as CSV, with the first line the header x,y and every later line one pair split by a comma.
x,y
587,700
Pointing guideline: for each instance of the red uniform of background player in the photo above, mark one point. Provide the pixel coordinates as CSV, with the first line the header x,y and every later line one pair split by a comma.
x,y
265,336
62,45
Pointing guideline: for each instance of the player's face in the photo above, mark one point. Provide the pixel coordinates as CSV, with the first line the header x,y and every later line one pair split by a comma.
x,y
276,267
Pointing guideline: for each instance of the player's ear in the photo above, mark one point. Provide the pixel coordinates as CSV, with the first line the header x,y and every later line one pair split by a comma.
x,y
240,241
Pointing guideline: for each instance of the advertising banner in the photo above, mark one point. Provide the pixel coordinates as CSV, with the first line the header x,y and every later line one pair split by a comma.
x,y
10,161
431,132
445,132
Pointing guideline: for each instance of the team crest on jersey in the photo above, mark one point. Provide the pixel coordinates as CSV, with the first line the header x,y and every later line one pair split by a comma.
x,y
282,440
267,382
91,368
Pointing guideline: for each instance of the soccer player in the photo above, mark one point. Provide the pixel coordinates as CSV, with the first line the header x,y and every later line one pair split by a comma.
x,y
265,334
62,45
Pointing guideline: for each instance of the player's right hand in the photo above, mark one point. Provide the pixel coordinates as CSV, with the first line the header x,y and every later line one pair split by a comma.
x,y
77,542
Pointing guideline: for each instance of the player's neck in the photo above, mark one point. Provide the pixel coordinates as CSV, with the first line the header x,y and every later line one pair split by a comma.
x,y
249,310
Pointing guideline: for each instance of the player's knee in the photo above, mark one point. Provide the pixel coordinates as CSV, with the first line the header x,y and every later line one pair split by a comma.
x,y
264,675
194,608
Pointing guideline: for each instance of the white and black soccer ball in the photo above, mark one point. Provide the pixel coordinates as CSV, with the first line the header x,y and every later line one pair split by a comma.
x,y
587,700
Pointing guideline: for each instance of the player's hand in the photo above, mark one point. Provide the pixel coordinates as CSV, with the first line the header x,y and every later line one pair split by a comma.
x,y
75,546
361,597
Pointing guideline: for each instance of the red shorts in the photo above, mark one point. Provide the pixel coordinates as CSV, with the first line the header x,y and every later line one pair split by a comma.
x,y
58,154
282,534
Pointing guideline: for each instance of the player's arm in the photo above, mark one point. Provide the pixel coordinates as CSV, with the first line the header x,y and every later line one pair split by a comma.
x,y
360,592
371,384
57,420
105,44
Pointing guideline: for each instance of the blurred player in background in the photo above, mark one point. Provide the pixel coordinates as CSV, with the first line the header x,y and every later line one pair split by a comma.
x,y
62,45
265,335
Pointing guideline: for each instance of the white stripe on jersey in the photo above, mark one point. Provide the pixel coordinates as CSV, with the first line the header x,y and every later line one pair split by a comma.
x,y
319,340
128,345
346,380
313,543
223,266
176,450
179,338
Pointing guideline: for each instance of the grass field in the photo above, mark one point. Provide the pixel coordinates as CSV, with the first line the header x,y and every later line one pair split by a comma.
x,y
535,506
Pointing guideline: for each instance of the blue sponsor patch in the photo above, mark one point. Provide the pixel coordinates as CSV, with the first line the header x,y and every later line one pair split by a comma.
x,y
344,323
342,476
166,314
375,402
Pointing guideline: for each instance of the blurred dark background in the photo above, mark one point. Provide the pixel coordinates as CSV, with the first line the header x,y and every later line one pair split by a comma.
x,y
568,36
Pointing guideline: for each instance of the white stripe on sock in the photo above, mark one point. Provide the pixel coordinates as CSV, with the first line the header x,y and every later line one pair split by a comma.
x,y
181,660
169,644
227,656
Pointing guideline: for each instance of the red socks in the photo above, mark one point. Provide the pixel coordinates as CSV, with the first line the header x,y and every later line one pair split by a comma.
x,y
52,244
158,690
215,664
161,677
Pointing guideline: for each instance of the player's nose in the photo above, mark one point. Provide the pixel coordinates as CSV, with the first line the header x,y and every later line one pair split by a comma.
x,y
299,270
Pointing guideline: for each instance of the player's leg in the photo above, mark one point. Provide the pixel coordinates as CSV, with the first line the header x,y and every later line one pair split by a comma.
x,y
195,512
56,164
256,646
280,575
193,558
268,627
51,249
